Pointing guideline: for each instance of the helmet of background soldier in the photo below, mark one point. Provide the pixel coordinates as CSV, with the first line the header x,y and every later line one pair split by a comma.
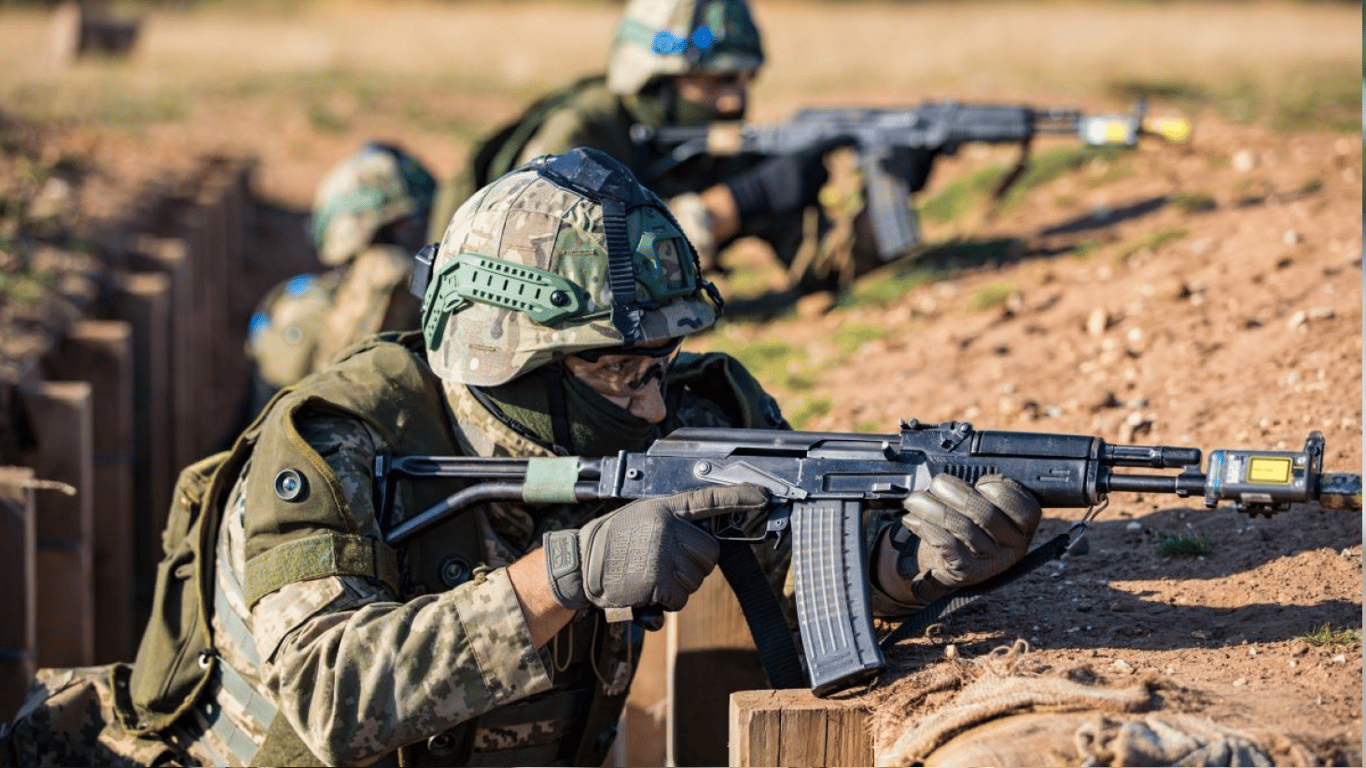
x,y
633,60
565,254
377,186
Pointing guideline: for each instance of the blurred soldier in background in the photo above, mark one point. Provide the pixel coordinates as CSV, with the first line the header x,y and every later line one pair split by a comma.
x,y
286,631
715,199
369,219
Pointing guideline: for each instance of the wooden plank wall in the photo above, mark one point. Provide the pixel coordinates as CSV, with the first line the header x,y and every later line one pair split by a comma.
x,y
143,379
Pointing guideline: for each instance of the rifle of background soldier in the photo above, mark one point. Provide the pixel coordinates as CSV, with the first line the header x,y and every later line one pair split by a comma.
x,y
897,146
820,483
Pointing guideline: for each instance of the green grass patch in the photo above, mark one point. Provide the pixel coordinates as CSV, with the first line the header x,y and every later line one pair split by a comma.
x,y
770,361
1086,248
809,410
887,285
963,194
850,338
1171,545
1151,241
1309,186
1194,202
1326,636
1306,97
990,297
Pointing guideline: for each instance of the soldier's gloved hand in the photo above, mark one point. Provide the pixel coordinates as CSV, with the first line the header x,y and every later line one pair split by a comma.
x,y
780,185
954,535
645,555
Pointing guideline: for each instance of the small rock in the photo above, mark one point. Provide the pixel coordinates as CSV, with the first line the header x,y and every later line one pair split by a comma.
x,y
1244,160
1291,237
1240,682
1200,634
1294,663
1171,670
1299,318
1252,651
950,651
1134,526
1097,322
1341,658
1299,648
1321,313
1122,665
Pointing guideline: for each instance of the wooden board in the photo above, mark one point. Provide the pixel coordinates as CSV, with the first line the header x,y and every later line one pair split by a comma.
x,y
18,572
794,728
61,416
100,352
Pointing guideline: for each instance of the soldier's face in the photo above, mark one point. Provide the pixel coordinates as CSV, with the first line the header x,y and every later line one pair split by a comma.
x,y
631,381
724,94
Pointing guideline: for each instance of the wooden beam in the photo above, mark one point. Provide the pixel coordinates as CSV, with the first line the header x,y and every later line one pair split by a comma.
x,y
61,416
144,300
794,728
100,352
18,572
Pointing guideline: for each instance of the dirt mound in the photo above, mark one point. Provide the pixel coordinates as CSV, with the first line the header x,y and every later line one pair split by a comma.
x,y
1206,295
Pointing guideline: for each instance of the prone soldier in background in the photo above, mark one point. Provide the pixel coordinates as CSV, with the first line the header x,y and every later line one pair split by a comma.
x,y
715,199
286,631
369,218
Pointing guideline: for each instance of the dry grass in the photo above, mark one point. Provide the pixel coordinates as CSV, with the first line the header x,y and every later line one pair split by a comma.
x,y
297,83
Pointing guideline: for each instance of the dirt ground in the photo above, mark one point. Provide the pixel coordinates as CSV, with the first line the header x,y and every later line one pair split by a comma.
x,y
1206,294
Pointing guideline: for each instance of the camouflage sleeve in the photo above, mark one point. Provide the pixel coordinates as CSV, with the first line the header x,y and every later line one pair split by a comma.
x,y
358,675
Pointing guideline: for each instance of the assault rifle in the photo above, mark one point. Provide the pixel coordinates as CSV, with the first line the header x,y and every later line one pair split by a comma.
x,y
821,482
897,146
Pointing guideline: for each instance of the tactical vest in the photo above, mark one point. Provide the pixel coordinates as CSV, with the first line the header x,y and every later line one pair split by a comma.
x,y
499,153
385,384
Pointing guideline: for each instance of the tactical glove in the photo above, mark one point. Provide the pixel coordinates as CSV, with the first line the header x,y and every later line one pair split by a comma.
x,y
954,535
645,555
780,185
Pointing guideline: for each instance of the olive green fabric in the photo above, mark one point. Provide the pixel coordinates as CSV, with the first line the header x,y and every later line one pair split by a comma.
x,y
501,151
175,656
328,554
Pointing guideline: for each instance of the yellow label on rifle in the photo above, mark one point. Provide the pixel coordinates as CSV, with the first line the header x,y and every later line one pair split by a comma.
x,y
1117,131
1269,470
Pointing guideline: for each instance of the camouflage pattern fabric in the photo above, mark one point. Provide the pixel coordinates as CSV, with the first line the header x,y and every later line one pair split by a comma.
x,y
377,185
69,718
371,297
633,61
485,344
304,322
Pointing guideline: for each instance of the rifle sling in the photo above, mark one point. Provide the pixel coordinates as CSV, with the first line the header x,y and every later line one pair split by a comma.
x,y
767,625
920,621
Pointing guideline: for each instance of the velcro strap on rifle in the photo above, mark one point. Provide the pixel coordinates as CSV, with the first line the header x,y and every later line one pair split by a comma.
x,y
316,557
921,620
767,625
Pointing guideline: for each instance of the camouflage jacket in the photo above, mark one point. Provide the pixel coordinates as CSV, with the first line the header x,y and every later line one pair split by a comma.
x,y
587,114
358,668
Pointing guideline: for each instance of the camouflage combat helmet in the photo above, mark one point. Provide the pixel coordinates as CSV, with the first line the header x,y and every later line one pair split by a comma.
x,y
378,185
565,254
658,38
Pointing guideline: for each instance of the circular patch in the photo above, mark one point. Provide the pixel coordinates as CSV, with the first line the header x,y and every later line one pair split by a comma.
x,y
454,571
290,485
